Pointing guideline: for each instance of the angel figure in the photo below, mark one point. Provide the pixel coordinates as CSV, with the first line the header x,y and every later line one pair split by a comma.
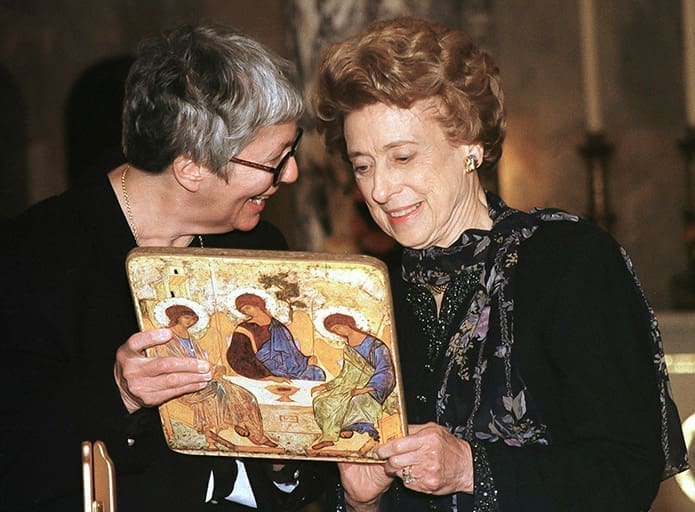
x,y
355,400
221,404
262,346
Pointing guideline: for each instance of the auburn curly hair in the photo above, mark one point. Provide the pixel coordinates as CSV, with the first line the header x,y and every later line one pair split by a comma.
x,y
401,61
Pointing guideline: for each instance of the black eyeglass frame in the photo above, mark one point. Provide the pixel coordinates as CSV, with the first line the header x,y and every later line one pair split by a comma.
x,y
279,169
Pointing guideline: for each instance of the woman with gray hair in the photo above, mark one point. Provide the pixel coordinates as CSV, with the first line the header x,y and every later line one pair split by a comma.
x,y
210,130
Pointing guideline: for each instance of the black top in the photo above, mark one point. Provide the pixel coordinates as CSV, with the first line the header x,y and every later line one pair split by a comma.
x,y
582,347
65,309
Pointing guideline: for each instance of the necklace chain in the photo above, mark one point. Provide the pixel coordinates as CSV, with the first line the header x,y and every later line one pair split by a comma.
x,y
436,288
129,211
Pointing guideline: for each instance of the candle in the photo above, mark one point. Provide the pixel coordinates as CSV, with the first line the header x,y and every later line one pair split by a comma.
x,y
689,60
590,68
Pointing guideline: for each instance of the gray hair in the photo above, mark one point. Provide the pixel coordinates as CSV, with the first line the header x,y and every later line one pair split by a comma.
x,y
203,92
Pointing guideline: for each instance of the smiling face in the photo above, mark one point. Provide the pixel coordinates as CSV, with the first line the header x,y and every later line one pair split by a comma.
x,y
237,203
412,178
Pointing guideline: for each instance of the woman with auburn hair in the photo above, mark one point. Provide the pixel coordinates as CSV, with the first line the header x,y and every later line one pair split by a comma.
x,y
532,365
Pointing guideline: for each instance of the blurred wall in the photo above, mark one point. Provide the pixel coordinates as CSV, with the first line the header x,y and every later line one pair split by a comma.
x,y
537,48
45,47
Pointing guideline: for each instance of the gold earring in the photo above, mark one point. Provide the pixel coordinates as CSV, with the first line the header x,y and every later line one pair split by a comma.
x,y
471,163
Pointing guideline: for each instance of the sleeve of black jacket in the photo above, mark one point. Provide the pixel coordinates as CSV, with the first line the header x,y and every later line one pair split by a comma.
x,y
582,344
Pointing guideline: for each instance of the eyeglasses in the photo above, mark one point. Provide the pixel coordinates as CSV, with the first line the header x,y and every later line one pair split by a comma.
x,y
279,169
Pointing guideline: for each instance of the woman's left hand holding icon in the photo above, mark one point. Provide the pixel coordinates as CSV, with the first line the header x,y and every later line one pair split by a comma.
x,y
149,382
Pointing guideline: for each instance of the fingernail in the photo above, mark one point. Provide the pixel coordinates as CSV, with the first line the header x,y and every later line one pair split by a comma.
x,y
203,366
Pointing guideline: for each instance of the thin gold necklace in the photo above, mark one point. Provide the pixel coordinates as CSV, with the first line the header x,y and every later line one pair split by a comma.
x,y
129,211
438,289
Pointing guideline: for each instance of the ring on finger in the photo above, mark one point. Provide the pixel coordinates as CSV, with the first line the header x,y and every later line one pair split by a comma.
x,y
406,475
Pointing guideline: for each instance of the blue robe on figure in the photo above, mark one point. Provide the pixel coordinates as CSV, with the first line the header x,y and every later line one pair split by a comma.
x,y
282,357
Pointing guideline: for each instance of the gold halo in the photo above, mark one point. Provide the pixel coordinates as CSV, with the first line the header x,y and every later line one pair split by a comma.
x,y
163,320
277,308
330,337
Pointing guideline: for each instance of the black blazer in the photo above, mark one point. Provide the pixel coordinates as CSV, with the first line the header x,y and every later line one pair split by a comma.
x,y
582,346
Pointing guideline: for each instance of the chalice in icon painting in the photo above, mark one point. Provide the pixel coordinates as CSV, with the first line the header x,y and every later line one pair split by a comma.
x,y
283,391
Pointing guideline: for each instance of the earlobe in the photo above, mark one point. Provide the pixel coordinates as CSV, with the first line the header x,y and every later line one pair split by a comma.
x,y
187,173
